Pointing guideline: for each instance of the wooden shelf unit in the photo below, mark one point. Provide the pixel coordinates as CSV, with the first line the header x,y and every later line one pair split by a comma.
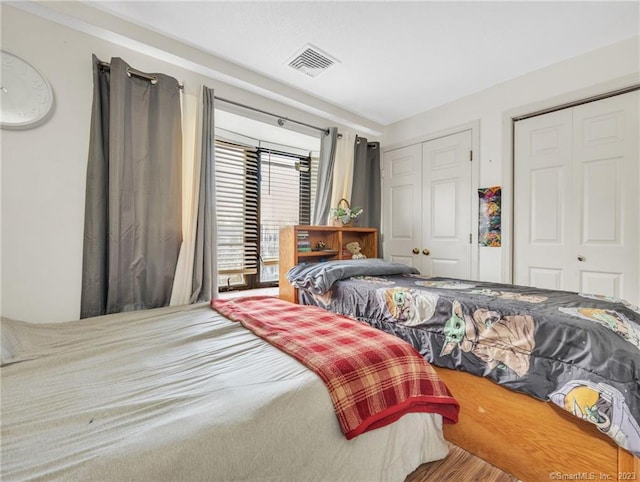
x,y
335,238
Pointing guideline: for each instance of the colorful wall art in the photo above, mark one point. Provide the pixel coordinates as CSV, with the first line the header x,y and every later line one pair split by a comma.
x,y
489,232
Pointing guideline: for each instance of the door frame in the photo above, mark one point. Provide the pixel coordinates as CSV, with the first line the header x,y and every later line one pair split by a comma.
x,y
570,99
474,127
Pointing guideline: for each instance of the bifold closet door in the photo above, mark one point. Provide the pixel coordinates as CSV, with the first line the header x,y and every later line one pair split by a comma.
x,y
402,199
426,191
576,201
446,206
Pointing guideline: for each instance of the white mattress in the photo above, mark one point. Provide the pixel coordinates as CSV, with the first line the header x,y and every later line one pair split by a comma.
x,y
182,394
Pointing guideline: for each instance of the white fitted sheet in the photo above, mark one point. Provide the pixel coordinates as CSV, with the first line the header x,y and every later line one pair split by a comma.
x,y
182,393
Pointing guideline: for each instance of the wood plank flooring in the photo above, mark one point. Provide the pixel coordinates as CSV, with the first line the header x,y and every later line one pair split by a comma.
x,y
459,466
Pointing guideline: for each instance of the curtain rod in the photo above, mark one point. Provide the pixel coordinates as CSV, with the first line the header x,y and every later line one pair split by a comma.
x,y
575,103
141,75
262,140
373,145
281,119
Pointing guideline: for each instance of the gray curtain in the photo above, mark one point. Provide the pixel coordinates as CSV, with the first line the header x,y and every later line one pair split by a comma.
x,y
366,192
326,162
205,271
133,214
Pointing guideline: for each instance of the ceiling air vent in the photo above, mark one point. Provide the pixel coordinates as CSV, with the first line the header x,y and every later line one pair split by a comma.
x,y
312,61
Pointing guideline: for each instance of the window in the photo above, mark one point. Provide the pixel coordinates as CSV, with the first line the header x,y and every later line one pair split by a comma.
x,y
237,212
258,192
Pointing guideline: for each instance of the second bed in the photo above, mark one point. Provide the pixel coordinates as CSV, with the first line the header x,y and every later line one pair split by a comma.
x,y
578,351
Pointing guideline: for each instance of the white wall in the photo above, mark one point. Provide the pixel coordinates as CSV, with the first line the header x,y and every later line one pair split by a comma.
x,y
44,169
580,77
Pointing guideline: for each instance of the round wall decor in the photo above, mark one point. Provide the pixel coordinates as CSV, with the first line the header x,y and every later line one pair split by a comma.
x,y
26,95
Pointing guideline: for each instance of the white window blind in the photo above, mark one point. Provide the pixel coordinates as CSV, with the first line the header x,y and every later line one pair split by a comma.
x,y
237,211
284,200
258,191
313,187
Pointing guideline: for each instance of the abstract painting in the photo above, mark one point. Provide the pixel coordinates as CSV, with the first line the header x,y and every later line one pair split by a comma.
x,y
489,232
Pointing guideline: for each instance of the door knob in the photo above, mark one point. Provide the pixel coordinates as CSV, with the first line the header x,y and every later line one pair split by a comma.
x,y
416,251
426,252
581,258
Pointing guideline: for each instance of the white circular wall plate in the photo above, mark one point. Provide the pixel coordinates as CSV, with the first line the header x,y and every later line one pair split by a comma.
x,y
26,97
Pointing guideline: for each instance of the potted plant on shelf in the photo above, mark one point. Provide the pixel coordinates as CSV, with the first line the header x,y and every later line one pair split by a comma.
x,y
343,215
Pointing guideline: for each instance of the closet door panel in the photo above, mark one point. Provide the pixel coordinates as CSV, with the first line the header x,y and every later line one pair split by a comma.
x,y
550,278
576,201
402,221
446,188
547,205
543,203
606,196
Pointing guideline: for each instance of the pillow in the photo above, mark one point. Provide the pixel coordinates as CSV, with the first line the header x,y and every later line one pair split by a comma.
x,y
9,341
20,341
318,278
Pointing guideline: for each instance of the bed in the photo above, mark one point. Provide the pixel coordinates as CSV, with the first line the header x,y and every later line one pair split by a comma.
x,y
505,352
182,393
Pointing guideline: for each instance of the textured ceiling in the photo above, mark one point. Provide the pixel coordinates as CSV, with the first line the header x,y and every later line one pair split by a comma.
x,y
396,59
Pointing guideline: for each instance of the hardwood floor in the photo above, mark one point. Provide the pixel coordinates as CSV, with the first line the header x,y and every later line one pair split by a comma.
x,y
459,466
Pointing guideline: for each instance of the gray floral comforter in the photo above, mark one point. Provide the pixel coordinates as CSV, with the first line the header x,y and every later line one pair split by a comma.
x,y
579,351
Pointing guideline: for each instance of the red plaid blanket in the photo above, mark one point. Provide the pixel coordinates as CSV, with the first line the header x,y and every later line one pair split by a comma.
x,y
373,378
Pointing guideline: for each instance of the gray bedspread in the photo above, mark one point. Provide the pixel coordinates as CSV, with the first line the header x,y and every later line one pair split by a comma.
x,y
579,351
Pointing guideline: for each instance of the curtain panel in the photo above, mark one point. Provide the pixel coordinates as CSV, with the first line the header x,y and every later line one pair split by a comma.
x,y
343,169
324,184
204,286
133,216
196,274
366,191
191,160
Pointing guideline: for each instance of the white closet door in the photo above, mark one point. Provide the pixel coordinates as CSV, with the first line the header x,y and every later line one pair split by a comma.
x,y
446,213
402,196
543,201
576,199
606,196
